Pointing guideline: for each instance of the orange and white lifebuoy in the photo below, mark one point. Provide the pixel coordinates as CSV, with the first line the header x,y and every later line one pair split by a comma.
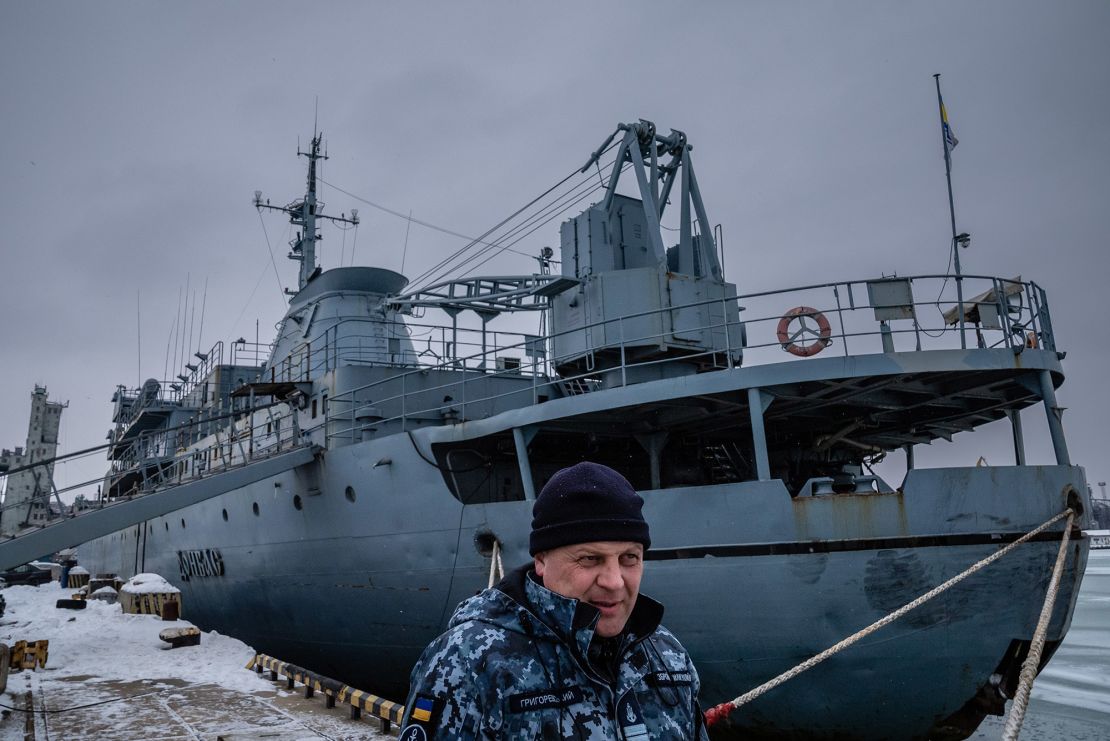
x,y
791,342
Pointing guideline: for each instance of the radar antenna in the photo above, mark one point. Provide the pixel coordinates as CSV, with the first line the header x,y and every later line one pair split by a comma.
x,y
304,214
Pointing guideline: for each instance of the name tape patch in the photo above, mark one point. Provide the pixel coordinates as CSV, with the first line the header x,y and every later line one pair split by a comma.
x,y
559,697
668,679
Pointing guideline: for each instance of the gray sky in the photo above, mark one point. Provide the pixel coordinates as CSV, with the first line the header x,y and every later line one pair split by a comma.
x,y
134,134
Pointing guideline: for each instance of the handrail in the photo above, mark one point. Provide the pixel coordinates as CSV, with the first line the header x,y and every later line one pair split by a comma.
x,y
1027,322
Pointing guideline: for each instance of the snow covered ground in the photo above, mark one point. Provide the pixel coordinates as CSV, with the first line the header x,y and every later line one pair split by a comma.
x,y
145,690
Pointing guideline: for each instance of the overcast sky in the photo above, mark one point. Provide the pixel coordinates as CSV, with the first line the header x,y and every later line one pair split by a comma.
x,y
135,133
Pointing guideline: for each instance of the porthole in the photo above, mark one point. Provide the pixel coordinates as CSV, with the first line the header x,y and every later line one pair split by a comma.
x,y
254,507
167,527
297,501
350,494
182,523
225,515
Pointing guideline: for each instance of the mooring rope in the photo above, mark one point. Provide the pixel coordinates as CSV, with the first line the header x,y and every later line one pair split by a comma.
x,y
719,713
496,570
1033,660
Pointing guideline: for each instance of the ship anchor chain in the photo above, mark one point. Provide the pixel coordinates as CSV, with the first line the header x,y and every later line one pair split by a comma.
x,y
719,714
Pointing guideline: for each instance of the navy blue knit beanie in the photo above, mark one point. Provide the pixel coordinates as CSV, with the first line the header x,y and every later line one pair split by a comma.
x,y
587,503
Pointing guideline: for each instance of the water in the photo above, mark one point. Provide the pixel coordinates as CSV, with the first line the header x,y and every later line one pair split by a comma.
x,y
1071,697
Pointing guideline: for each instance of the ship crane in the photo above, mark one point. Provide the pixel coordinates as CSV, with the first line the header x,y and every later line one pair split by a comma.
x,y
304,213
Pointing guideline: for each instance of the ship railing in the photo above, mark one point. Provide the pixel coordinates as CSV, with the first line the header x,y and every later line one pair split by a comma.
x,y
404,344
130,402
163,458
897,314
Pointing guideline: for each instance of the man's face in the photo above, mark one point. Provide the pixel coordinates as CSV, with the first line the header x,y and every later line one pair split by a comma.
x,y
605,574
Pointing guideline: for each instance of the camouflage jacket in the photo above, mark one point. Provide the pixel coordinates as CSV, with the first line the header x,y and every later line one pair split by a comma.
x,y
512,665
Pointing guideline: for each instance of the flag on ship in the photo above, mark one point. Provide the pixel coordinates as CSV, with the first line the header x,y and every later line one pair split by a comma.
x,y
949,137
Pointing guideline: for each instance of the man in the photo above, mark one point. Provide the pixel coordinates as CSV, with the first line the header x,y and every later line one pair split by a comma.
x,y
565,647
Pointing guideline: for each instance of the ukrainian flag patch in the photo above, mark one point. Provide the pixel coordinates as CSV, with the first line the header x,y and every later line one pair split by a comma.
x,y
422,709
423,719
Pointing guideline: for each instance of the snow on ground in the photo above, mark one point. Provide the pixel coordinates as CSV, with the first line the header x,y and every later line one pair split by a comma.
x,y
148,584
103,642
147,690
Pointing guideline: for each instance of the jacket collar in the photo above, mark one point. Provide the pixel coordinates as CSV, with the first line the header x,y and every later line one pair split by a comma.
x,y
573,621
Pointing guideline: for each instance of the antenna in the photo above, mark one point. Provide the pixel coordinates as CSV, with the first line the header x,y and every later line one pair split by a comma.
x,y
139,334
405,251
304,213
203,305
176,329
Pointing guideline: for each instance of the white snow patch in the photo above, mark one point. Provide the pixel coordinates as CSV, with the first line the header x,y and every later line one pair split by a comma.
x,y
148,584
102,641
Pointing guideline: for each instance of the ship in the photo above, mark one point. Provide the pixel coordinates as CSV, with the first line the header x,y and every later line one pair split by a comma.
x,y
431,411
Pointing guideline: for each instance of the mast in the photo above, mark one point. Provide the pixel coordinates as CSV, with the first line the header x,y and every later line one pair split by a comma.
x,y
304,213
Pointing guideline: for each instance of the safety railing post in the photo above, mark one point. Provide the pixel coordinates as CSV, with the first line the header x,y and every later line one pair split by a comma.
x,y
728,332
840,318
624,364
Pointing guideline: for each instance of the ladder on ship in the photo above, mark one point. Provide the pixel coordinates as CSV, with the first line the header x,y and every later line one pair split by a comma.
x,y
123,513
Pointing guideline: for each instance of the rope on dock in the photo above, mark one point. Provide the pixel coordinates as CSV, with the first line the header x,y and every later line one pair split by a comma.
x,y
1033,660
719,713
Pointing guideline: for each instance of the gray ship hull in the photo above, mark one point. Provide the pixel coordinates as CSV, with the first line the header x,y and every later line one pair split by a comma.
x,y
754,581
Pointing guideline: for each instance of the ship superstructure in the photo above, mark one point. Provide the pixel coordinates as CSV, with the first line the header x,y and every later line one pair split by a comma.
x,y
750,423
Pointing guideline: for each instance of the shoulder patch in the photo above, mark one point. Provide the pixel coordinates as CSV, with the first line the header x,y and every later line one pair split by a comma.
x,y
557,697
423,719
413,732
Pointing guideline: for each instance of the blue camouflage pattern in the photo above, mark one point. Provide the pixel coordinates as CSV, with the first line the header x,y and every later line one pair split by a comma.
x,y
512,666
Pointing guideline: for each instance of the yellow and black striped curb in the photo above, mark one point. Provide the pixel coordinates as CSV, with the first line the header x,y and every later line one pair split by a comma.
x,y
386,711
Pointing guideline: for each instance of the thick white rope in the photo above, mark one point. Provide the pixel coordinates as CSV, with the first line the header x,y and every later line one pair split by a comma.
x,y
496,570
720,712
1033,660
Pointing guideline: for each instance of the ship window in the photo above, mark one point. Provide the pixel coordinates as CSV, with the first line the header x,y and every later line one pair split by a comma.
x,y
225,515
167,527
324,404
297,504
254,508
349,492
314,408
182,523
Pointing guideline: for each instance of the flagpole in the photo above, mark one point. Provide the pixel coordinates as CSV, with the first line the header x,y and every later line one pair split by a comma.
x,y
951,212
